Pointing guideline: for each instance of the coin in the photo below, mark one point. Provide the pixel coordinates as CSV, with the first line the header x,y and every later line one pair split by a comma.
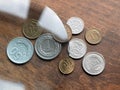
x,y
76,24
66,65
31,30
46,47
93,36
69,33
77,48
20,50
93,63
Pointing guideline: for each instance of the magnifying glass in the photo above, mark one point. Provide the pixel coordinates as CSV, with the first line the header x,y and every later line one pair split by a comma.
x,y
48,20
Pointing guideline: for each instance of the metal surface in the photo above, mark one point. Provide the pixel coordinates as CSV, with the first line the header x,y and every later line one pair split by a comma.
x,y
31,30
93,63
66,65
93,36
76,24
20,50
46,47
77,48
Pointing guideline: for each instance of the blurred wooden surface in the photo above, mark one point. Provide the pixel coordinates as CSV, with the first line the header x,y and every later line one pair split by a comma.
x,y
42,75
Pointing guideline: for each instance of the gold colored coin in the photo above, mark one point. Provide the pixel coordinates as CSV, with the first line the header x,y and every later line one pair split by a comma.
x,y
31,30
66,65
69,33
93,36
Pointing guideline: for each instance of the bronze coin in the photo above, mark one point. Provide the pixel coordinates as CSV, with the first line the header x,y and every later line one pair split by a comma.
x,y
31,29
93,36
69,33
66,65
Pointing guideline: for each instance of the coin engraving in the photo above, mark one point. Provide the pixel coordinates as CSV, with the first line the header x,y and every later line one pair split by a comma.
x,y
93,36
31,30
77,48
46,47
76,24
66,65
93,63
20,50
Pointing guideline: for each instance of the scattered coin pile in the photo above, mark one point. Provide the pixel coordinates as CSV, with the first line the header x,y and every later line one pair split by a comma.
x,y
47,46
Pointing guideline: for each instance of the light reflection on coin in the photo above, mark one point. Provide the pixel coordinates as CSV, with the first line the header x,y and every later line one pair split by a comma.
x,y
76,24
93,36
46,47
20,50
77,48
66,65
31,30
69,33
93,63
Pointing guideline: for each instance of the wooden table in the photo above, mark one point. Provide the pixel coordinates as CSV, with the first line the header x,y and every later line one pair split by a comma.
x,y
44,75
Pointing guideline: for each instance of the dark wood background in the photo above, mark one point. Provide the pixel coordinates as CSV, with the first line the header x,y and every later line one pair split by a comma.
x,y
43,75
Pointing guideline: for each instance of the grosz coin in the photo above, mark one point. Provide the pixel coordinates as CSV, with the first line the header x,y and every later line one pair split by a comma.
x,y
93,63
77,48
31,30
66,65
20,50
46,47
76,24
93,36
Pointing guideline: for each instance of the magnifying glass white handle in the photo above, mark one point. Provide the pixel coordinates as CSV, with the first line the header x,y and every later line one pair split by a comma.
x,y
8,85
52,23
17,8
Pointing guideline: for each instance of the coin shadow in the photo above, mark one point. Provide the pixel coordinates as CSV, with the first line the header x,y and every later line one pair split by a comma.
x,y
75,58
17,63
45,60
93,44
65,74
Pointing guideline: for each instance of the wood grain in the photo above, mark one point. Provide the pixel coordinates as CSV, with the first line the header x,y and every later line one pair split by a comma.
x,y
42,75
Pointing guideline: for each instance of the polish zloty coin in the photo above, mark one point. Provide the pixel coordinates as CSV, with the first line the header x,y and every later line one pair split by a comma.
x,y
66,65
77,48
20,50
31,30
93,63
69,33
76,24
93,36
46,47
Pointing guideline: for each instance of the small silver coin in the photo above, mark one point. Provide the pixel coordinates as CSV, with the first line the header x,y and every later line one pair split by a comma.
x,y
20,50
93,63
76,24
46,47
77,48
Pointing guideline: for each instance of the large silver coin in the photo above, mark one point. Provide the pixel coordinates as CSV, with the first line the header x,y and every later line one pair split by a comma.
x,y
46,47
77,48
20,50
76,24
93,63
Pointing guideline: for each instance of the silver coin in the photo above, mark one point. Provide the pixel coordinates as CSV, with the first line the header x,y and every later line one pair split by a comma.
x,y
20,50
93,63
76,24
77,48
46,47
